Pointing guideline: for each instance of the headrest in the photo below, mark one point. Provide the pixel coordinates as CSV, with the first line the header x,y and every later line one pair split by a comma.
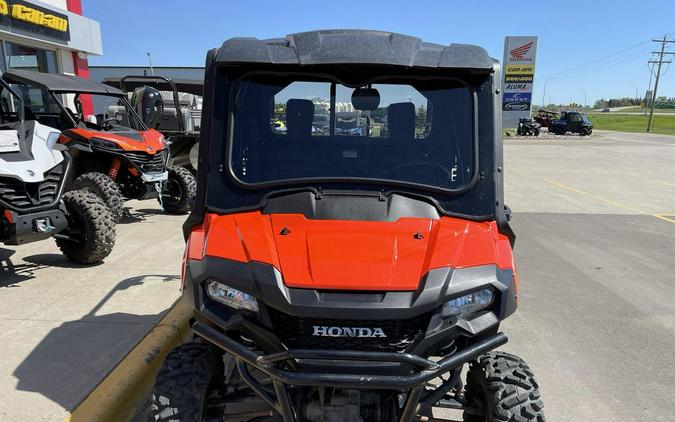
x,y
299,117
401,121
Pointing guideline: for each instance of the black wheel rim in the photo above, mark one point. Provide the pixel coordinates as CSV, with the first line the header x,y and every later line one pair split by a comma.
x,y
76,231
173,193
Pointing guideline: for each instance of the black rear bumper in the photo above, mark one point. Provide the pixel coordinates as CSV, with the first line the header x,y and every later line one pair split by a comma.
x,y
413,383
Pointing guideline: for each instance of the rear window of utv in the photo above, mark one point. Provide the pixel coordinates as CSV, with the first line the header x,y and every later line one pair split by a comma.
x,y
297,129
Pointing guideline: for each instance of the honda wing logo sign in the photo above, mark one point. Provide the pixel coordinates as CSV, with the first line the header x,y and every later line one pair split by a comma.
x,y
518,77
324,331
518,54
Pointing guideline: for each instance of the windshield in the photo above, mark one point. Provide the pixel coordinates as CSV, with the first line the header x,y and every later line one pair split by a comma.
x,y
298,129
113,110
108,112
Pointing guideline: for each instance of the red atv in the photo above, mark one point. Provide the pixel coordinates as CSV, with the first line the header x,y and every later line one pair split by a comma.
x,y
348,275
116,154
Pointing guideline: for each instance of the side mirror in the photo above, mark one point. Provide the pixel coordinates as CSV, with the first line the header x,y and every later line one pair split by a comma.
x,y
508,212
148,103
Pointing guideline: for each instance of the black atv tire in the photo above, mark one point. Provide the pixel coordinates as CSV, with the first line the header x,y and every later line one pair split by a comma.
x,y
182,385
179,191
92,224
105,188
536,132
585,131
504,386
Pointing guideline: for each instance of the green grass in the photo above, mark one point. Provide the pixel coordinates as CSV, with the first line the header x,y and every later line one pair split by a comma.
x,y
632,123
637,109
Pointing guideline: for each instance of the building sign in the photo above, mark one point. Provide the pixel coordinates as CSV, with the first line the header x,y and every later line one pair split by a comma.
x,y
516,101
518,65
23,17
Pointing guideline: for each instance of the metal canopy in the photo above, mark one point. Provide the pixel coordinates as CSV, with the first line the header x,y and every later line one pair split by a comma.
x,y
59,83
351,46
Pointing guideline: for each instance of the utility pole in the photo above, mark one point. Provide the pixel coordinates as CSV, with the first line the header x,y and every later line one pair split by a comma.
x,y
658,63
585,97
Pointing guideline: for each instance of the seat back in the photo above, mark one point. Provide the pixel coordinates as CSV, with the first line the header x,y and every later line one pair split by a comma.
x,y
401,121
299,118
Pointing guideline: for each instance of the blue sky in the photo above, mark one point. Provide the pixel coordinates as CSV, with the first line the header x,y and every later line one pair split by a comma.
x,y
604,44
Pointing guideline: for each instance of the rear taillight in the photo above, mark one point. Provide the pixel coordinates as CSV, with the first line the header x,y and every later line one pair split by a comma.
x,y
8,216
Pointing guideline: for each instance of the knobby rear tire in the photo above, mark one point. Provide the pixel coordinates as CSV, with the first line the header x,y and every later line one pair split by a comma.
x,y
105,188
184,182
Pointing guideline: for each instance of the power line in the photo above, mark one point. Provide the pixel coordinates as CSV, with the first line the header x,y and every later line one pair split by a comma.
x,y
594,68
602,66
600,59
664,42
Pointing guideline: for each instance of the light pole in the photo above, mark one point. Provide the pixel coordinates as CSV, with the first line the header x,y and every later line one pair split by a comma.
x,y
543,96
636,91
585,97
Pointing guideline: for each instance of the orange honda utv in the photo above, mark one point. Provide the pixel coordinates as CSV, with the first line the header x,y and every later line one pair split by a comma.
x,y
349,251
117,154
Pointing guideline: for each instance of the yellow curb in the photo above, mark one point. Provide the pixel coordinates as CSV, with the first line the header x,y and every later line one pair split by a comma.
x,y
122,392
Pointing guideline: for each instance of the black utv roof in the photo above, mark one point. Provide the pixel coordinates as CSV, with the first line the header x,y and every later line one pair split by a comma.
x,y
352,46
59,83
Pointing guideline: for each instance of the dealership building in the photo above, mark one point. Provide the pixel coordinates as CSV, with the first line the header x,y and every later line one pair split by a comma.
x,y
48,36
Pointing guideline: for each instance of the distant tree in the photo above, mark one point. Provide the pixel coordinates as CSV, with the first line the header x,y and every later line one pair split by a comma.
x,y
420,119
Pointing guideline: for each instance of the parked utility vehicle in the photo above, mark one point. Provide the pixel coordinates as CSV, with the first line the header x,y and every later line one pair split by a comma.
x,y
115,154
334,276
571,121
527,126
33,170
180,115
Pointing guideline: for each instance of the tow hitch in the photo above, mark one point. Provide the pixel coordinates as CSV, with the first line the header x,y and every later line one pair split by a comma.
x,y
43,225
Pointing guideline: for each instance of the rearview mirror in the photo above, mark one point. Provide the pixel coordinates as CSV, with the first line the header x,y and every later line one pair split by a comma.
x,y
365,99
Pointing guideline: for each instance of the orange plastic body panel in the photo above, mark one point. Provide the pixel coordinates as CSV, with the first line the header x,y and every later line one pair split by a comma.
x,y
350,255
152,140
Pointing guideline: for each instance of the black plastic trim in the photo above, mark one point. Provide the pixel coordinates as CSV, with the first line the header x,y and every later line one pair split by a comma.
x,y
57,198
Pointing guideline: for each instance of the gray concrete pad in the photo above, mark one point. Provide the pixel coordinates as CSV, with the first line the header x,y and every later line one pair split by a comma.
x,y
63,327
596,316
595,219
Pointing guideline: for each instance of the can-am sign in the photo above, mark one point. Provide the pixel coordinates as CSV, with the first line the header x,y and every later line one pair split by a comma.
x,y
519,63
27,17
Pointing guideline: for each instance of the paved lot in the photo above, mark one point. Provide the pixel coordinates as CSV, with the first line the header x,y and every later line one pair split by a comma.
x,y
595,220
63,327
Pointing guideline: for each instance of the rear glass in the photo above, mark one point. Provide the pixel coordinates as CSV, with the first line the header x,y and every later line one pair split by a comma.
x,y
292,130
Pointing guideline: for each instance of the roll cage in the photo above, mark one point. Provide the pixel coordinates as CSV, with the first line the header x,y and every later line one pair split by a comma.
x,y
55,84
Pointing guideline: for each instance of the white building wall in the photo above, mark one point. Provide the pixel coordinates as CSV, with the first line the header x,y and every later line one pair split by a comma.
x,y
61,4
66,66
